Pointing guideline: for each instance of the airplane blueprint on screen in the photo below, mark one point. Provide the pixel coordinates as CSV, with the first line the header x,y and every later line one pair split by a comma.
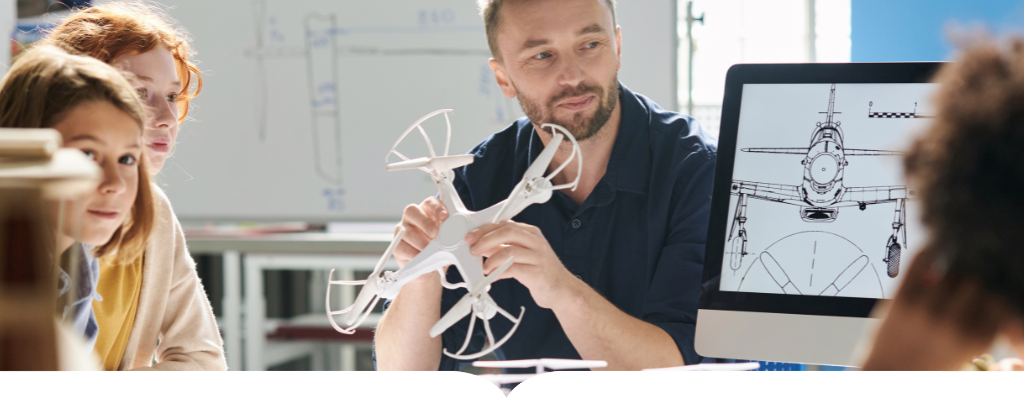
x,y
818,204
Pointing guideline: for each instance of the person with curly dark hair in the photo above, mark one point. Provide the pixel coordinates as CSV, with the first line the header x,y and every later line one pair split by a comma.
x,y
966,289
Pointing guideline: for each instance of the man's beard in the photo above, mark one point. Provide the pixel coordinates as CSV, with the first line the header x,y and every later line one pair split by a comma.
x,y
580,127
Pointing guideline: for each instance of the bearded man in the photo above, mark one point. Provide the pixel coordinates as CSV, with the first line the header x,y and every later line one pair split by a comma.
x,y
611,271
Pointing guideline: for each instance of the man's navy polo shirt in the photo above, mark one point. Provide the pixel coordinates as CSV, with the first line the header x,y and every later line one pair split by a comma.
x,y
638,239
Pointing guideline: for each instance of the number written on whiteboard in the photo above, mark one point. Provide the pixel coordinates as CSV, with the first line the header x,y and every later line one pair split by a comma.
x,y
435,17
335,199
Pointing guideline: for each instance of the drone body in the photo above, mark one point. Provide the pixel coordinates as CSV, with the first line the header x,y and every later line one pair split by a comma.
x,y
450,248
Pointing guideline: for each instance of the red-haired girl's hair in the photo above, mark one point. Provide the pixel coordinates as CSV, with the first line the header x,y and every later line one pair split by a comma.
x,y
111,30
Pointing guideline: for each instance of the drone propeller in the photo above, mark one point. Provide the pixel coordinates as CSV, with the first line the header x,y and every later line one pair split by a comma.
x,y
576,153
331,313
409,164
370,292
540,164
490,336
417,126
366,295
436,163
356,318
470,305
536,171
465,305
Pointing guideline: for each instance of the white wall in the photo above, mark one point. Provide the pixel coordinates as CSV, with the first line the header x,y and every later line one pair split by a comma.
x,y
649,49
8,16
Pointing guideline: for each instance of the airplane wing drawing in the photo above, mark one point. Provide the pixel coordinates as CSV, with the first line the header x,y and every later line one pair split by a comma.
x,y
777,150
853,196
803,151
768,191
870,152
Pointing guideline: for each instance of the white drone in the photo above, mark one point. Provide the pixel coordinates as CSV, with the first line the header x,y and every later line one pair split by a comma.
x,y
449,248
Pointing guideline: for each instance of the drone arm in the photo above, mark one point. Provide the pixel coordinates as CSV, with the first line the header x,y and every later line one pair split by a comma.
x,y
534,187
512,207
450,196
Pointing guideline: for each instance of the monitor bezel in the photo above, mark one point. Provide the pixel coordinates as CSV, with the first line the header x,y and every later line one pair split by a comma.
x,y
809,73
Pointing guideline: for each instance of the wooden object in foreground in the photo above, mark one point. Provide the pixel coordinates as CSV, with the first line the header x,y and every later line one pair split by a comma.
x,y
35,176
28,288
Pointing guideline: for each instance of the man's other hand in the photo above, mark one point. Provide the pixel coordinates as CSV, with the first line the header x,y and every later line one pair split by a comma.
x,y
535,266
421,223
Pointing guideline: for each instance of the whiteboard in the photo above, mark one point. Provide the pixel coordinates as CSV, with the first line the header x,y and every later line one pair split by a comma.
x,y
302,100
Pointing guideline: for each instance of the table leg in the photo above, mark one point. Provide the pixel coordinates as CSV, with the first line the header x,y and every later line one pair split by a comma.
x,y
232,310
255,316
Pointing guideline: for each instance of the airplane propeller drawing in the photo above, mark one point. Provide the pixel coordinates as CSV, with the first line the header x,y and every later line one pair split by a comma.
x,y
822,192
449,248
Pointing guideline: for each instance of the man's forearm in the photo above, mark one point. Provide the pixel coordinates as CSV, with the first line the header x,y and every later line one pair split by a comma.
x,y
403,339
600,331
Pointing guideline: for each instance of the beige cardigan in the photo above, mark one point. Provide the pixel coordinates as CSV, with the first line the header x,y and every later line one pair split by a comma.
x,y
174,323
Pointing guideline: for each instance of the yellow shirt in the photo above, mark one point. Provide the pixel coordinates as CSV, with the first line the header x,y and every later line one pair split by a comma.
x,y
119,286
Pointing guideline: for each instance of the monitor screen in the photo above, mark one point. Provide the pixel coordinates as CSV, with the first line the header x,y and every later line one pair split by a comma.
x,y
818,205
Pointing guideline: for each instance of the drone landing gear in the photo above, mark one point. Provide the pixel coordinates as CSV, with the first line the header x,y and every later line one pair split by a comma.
x,y
738,234
893,247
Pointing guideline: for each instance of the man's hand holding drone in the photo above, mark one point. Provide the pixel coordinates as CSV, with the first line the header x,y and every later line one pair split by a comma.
x,y
421,223
536,266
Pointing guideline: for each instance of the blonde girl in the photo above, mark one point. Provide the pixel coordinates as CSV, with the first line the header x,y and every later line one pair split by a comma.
x,y
96,110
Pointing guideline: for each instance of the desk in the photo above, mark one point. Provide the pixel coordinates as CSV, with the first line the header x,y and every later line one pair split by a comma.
x,y
245,314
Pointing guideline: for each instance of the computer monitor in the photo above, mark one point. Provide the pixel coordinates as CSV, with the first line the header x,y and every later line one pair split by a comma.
x,y
810,215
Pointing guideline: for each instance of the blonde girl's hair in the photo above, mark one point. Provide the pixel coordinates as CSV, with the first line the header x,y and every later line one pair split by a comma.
x,y
42,86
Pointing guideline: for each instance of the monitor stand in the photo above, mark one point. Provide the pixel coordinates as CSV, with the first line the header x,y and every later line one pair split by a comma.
x,y
777,337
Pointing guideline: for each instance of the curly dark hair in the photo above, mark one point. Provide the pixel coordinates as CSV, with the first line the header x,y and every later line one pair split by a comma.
x,y
969,168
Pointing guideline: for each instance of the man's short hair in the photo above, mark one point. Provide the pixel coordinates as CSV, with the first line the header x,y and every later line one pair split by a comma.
x,y
491,12
968,167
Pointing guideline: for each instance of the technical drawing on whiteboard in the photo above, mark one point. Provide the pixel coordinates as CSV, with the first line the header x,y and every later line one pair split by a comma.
x,y
819,197
321,52
322,66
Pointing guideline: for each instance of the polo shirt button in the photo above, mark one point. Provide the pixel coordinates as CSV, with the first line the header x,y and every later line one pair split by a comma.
x,y
576,223
579,277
